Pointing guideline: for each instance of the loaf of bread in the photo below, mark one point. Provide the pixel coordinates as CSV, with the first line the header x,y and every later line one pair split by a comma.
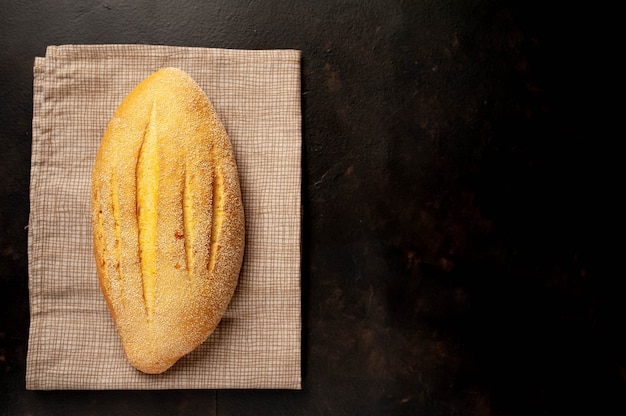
x,y
167,218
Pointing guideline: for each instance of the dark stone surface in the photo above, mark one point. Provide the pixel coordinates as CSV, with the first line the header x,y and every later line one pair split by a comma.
x,y
459,184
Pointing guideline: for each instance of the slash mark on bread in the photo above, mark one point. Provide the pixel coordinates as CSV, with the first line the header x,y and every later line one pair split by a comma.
x,y
218,216
147,198
189,220
102,241
117,223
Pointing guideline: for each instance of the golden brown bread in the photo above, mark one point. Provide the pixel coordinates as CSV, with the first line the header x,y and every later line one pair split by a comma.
x,y
168,220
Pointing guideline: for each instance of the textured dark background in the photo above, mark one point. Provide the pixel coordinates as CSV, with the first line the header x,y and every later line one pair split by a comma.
x,y
458,192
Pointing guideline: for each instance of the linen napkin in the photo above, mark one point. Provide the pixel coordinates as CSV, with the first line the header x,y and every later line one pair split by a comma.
x,y
73,343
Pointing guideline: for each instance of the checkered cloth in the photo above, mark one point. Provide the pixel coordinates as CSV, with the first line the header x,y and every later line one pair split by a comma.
x,y
73,343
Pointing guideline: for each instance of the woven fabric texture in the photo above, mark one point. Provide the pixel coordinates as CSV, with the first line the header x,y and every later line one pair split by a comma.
x,y
73,343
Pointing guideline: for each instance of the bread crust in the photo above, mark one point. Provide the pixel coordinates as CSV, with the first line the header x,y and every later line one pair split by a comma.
x,y
168,220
